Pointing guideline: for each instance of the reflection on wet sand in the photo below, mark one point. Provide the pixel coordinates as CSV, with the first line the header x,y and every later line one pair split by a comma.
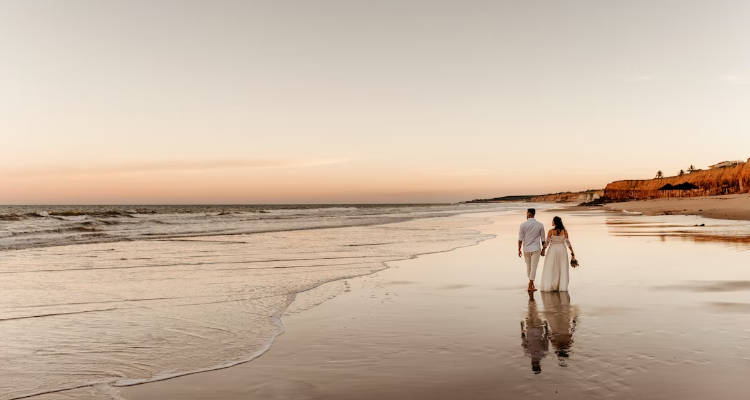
x,y
740,241
728,307
556,328
709,286
734,235
534,336
561,319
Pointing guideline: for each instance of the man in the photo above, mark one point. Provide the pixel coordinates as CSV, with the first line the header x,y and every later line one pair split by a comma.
x,y
531,238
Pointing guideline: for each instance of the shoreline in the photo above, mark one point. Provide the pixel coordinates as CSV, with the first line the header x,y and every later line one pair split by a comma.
x,y
733,207
311,358
445,326
300,327
289,310
300,302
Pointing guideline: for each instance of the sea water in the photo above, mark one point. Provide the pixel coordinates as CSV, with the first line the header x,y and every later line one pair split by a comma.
x,y
101,296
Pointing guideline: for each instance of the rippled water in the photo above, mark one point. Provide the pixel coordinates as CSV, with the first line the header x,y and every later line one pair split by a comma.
x,y
159,299
38,226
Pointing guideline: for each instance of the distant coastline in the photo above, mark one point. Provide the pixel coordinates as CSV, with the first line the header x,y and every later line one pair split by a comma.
x,y
560,197
721,191
502,199
724,178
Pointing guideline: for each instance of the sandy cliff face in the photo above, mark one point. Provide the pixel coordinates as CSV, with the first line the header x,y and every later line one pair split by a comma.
x,y
569,197
710,182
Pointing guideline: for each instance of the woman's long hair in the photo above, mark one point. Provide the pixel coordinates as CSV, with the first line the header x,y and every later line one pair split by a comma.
x,y
557,221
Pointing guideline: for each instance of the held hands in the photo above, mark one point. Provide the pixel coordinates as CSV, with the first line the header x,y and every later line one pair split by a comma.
x,y
542,253
519,252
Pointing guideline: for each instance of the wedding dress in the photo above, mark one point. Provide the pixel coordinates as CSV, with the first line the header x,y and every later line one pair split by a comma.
x,y
555,274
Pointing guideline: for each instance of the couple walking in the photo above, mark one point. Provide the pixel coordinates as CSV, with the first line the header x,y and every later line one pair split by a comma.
x,y
534,243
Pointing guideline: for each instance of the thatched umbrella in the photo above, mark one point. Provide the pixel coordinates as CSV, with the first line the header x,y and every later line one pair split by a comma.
x,y
682,186
685,186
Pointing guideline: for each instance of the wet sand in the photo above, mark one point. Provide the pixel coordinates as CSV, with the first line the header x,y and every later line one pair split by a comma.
x,y
725,207
647,316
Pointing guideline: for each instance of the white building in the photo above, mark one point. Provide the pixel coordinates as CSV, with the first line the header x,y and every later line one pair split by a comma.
x,y
725,164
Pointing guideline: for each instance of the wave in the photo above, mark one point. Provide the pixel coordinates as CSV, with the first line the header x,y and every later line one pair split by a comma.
x,y
24,227
56,214
81,227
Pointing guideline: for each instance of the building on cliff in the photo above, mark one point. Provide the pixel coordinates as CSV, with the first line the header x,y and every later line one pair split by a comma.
x,y
725,164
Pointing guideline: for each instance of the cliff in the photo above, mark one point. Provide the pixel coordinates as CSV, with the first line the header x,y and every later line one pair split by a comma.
x,y
569,197
503,199
562,197
717,181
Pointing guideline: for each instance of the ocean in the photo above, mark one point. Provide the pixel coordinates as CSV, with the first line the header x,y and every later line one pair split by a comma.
x,y
101,296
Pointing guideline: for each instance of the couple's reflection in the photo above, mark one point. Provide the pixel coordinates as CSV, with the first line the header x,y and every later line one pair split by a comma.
x,y
556,328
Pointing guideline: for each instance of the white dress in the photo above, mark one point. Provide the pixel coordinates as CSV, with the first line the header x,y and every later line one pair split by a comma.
x,y
555,274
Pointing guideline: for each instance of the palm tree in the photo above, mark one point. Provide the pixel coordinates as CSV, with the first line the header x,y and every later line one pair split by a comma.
x,y
659,174
691,169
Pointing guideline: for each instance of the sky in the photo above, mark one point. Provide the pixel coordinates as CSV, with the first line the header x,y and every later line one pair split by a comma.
x,y
362,101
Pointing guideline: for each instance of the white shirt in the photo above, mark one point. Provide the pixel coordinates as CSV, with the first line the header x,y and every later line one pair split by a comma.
x,y
531,234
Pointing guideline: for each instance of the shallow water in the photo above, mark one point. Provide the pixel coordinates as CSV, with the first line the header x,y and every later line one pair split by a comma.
x,y
649,316
125,312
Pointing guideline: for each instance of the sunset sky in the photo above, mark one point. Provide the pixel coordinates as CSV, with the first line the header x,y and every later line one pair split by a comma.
x,y
362,101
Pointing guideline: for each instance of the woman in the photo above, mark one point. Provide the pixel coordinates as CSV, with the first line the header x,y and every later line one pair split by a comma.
x,y
555,274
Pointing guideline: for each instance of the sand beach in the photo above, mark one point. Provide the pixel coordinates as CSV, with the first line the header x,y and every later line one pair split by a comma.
x,y
736,206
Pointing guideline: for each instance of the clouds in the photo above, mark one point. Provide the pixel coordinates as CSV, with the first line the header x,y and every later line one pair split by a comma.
x,y
734,79
252,101
638,78
729,78
160,166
